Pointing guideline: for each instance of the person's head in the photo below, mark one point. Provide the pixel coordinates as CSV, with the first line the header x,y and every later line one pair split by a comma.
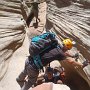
x,y
68,44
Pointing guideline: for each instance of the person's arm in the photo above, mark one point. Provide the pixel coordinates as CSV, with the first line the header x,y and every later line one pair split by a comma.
x,y
72,61
76,55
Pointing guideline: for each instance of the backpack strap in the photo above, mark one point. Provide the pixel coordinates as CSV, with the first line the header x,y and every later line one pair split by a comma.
x,y
37,61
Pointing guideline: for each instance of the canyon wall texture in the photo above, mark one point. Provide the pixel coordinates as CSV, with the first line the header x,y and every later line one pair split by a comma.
x,y
71,19
67,18
12,31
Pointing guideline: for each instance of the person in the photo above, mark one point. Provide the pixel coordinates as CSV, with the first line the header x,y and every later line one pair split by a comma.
x,y
46,77
34,13
58,72
55,75
31,71
59,75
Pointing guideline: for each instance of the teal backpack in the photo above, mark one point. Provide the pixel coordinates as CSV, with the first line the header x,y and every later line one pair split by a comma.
x,y
41,43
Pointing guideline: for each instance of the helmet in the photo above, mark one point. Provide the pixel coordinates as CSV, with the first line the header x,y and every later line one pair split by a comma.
x,y
68,43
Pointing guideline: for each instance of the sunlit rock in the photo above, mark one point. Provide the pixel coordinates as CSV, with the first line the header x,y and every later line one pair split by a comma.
x,y
12,31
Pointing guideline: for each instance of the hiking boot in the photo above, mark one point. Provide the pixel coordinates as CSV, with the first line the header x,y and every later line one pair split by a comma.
x,y
21,83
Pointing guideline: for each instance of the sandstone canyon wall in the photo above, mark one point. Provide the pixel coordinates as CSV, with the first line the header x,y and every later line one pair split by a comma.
x,y
12,31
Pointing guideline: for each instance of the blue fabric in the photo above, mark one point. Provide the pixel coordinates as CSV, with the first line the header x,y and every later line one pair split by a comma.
x,y
37,61
35,39
43,36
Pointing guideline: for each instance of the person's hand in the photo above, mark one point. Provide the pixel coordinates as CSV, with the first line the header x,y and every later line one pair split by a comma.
x,y
85,63
76,56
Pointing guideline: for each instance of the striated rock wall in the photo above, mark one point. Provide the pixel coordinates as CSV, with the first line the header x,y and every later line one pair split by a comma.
x,y
67,18
71,19
12,31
